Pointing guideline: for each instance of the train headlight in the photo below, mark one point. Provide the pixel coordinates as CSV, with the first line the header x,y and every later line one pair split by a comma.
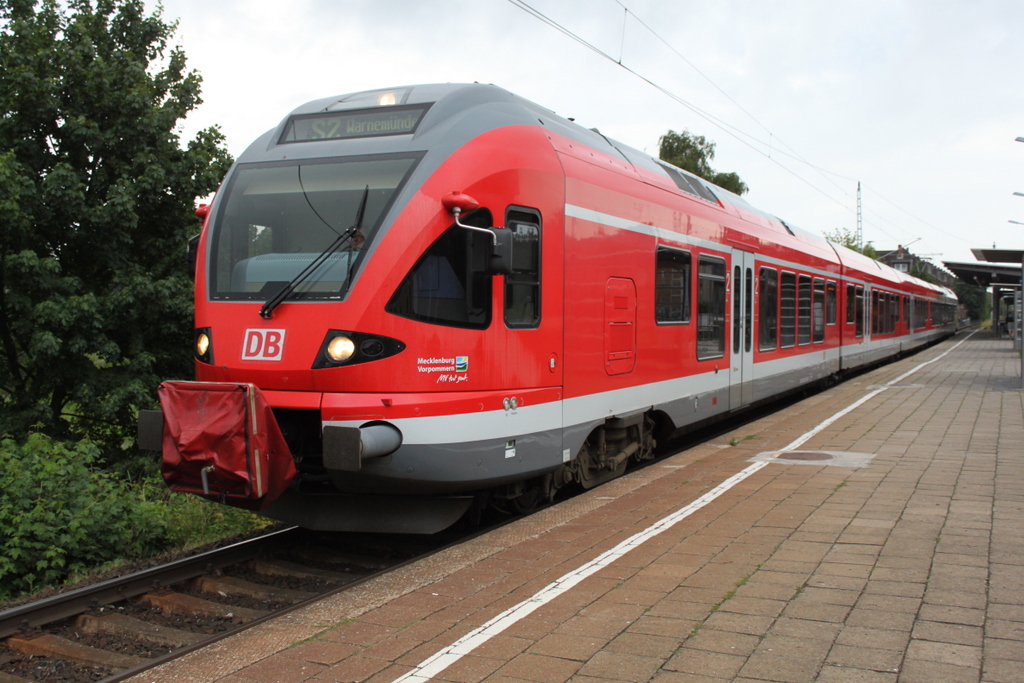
x,y
340,349
203,345
387,99
346,347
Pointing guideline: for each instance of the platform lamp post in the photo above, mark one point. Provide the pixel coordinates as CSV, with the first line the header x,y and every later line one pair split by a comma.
x,y
1019,301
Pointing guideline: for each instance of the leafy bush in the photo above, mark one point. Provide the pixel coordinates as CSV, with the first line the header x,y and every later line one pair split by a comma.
x,y
60,515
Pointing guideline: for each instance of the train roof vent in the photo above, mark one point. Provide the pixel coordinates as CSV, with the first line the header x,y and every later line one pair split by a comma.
x,y
689,185
786,226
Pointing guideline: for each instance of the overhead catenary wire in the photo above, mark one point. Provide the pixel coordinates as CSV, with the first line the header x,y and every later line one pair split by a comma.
x,y
762,147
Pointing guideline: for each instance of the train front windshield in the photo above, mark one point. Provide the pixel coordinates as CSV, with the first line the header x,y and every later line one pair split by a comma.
x,y
277,218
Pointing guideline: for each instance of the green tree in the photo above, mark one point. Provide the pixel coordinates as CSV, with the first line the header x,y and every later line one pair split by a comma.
x,y
96,203
846,237
695,153
975,299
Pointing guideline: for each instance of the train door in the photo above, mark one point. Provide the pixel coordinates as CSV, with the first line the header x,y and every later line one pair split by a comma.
x,y
532,300
741,360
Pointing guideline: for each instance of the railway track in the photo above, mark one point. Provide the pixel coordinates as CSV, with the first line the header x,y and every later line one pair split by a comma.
x,y
115,629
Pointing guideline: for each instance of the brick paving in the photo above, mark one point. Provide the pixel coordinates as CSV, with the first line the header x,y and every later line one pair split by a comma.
x,y
910,569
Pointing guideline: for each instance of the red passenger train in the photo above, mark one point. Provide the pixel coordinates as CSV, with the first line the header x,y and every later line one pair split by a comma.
x,y
374,353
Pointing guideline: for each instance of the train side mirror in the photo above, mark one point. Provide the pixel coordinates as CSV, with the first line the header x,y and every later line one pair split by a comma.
x,y
457,203
501,253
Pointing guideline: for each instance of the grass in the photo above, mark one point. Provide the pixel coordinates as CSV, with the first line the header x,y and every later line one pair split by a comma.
x,y
196,521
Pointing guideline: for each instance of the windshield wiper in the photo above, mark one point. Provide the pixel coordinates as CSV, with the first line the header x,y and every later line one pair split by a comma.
x,y
268,308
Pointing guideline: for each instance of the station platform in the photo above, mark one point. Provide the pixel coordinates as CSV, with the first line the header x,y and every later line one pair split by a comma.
x,y
884,543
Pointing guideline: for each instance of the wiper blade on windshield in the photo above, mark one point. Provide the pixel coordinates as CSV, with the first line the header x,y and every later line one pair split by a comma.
x,y
268,308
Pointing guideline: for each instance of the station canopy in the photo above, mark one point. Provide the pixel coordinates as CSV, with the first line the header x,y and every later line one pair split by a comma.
x,y
993,268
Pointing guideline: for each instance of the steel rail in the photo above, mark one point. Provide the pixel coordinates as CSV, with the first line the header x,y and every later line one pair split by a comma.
x,y
54,608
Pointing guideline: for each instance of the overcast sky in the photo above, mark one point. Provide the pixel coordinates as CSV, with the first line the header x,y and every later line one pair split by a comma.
x,y
918,100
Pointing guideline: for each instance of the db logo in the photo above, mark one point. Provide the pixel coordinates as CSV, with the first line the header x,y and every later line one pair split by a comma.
x,y
263,345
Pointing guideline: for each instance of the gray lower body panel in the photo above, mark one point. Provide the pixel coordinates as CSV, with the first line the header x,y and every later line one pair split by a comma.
x,y
455,467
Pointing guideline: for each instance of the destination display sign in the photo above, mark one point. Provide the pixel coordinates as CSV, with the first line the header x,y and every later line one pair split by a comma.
x,y
362,123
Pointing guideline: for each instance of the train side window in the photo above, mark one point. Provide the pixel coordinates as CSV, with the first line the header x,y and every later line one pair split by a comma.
x,y
736,310
804,310
672,286
851,305
830,303
874,312
522,285
858,312
819,310
450,284
787,324
710,308
883,321
768,309
748,308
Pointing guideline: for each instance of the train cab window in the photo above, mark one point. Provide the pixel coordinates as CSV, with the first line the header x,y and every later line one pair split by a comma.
x,y
787,323
279,220
804,310
768,309
672,286
522,285
859,312
819,310
710,308
851,306
830,303
450,284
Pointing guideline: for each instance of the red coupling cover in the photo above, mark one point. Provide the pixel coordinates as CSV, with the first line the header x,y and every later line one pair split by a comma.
x,y
222,440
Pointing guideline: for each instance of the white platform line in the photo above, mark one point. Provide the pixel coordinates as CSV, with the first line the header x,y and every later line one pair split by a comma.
x,y
442,660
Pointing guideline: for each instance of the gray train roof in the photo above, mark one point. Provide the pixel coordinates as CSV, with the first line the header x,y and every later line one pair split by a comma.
x,y
459,113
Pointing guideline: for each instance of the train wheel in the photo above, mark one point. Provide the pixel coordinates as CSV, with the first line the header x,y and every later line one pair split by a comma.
x,y
590,472
528,501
